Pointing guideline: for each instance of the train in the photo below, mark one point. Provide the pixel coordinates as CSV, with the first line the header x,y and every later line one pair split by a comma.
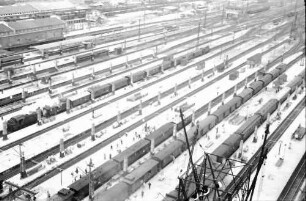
x,y
133,180
257,9
10,60
18,122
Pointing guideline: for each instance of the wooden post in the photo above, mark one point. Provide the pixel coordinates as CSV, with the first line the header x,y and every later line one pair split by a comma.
x,y
113,89
118,117
223,98
152,146
175,89
93,131
255,135
235,90
38,112
4,130
23,173
174,131
68,105
125,164
209,107
140,107
62,148
131,79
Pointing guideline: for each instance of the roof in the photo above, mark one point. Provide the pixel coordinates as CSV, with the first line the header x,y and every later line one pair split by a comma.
x,y
30,24
17,9
54,5
4,28
65,42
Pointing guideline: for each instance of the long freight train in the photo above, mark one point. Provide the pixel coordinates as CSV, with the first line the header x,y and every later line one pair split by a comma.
x,y
24,120
148,169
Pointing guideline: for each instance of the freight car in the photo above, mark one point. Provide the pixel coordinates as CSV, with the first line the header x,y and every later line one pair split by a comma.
x,y
162,158
257,9
131,182
8,60
98,91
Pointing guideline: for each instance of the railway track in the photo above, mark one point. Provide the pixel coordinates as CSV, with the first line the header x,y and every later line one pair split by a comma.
x,y
86,51
118,37
97,147
50,71
127,94
72,141
271,141
16,108
295,182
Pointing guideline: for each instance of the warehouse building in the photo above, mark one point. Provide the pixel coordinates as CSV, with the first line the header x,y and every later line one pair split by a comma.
x,y
29,32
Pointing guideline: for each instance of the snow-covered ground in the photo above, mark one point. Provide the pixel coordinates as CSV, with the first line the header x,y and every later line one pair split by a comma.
x,y
45,100
246,57
162,184
48,142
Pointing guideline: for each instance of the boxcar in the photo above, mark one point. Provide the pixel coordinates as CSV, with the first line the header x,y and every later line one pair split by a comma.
x,y
166,155
141,174
133,153
246,129
161,134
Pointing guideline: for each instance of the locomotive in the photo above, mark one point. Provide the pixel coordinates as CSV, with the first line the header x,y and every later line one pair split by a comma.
x,y
132,181
97,91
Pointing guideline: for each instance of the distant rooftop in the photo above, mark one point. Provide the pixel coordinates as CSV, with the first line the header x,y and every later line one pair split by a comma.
x,y
4,28
54,5
32,24
15,9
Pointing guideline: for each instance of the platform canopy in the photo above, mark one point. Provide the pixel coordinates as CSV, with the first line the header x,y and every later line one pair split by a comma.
x,y
63,43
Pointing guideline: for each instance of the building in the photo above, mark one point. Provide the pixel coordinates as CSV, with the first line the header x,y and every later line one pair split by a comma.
x,y
29,32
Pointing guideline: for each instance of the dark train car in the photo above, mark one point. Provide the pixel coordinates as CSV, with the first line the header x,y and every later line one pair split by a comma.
x,y
294,83
10,99
62,195
133,153
256,86
14,123
161,134
168,154
187,121
84,56
99,91
274,73
246,94
227,148
79,99
205,50
154,70
282,68
101,175
118,192
101,52
123,82
267,79
139,76
248,127
207,124
29,119
267,108
222,112
234,103
141,174
257,9
11,60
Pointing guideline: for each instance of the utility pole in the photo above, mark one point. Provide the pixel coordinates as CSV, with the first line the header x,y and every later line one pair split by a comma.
x,y
91,183
198,38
